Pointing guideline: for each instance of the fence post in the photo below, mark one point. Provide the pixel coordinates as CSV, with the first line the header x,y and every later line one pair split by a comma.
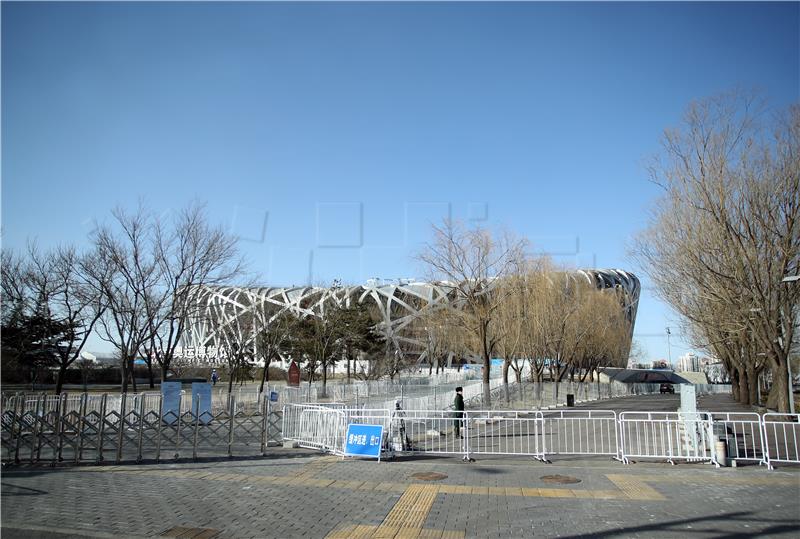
x,y
160,425
141,430
196,428
19,412
35,434
101,428
121,426
62,409
465,428
178,433
232,419
81,426
265,410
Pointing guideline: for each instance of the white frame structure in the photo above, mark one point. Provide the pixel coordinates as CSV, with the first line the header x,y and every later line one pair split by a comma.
x,y
222,308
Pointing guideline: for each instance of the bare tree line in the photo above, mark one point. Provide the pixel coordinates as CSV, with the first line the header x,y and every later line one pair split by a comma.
x,y
726,232
130,286
520,308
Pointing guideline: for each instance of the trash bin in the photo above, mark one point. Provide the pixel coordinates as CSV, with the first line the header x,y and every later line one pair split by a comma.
x,y
721,450
570,399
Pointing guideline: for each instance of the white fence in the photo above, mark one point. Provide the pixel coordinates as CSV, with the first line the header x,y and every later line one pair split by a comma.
x,y
539,434
781,436
666,435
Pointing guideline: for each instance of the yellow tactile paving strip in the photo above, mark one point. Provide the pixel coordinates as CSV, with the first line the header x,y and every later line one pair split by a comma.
x,y
408,515
634,488
404,521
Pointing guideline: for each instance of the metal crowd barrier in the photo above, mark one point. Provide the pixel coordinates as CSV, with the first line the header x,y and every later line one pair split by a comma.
x,y
666,435
742,433
581,432
781,437
658,435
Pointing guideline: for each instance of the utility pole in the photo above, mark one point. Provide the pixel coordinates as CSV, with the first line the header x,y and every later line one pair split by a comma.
x,y
669,350
787,280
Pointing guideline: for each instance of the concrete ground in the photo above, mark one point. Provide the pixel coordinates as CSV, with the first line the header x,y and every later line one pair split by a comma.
x,y
299,493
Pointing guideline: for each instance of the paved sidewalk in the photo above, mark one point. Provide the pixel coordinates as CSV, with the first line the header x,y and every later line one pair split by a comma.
x,y
298,493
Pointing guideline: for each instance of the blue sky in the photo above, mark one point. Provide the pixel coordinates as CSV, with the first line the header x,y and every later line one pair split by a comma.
x,y
329,136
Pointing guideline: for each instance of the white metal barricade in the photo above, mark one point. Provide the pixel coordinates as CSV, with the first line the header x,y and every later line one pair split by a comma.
x,y
497,432
781,438
314,427
742,434
581,432
666,435
427,431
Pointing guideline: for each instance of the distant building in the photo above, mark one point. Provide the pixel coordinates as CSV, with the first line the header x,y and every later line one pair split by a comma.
x,y
661,364
690,362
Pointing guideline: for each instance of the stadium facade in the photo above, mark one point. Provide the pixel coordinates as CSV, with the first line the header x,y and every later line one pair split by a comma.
x,y
243,311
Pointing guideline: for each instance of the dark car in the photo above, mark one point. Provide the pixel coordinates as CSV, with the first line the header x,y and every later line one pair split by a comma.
x,y
667,388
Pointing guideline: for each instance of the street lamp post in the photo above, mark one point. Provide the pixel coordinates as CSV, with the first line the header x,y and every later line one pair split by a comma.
x,y
787,280
669,349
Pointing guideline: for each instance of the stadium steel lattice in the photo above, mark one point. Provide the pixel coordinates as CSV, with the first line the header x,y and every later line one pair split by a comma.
x,y
222,310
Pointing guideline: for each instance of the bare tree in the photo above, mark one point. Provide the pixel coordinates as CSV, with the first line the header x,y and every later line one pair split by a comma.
x,y
273,338
190,253
470,260
72,297
126,268
726,232
237,346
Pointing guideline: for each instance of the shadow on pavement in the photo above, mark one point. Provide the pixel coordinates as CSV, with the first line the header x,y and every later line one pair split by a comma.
x,y
680,526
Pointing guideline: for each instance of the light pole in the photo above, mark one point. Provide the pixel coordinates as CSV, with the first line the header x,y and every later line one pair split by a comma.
x,y
669,350
787,280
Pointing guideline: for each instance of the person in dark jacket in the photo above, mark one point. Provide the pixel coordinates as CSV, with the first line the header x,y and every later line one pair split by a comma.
x,y
458,405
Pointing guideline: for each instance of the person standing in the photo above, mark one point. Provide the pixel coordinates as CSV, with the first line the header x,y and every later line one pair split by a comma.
x,y
458,405
214,377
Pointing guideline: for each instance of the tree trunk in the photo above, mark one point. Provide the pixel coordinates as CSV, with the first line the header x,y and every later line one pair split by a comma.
x,y
324,379
124,373
505,380
150,373
752,384
133,375
264,376
348,368
62,371
778,398
744,392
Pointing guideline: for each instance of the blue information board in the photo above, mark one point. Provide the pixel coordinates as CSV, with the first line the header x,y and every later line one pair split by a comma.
x,y
201,401
363,441
170,402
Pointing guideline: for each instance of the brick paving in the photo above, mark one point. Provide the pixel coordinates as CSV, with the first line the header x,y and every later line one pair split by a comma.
x,y
300,493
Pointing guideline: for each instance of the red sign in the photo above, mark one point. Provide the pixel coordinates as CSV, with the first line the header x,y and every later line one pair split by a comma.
x,y
294,374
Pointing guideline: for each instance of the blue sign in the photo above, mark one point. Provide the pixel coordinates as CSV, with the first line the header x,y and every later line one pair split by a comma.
x,y
170,402
363,441
273,396
201,401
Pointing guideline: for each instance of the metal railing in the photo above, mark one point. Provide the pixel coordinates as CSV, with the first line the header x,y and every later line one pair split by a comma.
x,y
667,436
581,432
743,434
781,438
130,427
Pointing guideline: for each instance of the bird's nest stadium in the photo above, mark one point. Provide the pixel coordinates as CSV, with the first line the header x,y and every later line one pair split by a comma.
x,y
219,311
